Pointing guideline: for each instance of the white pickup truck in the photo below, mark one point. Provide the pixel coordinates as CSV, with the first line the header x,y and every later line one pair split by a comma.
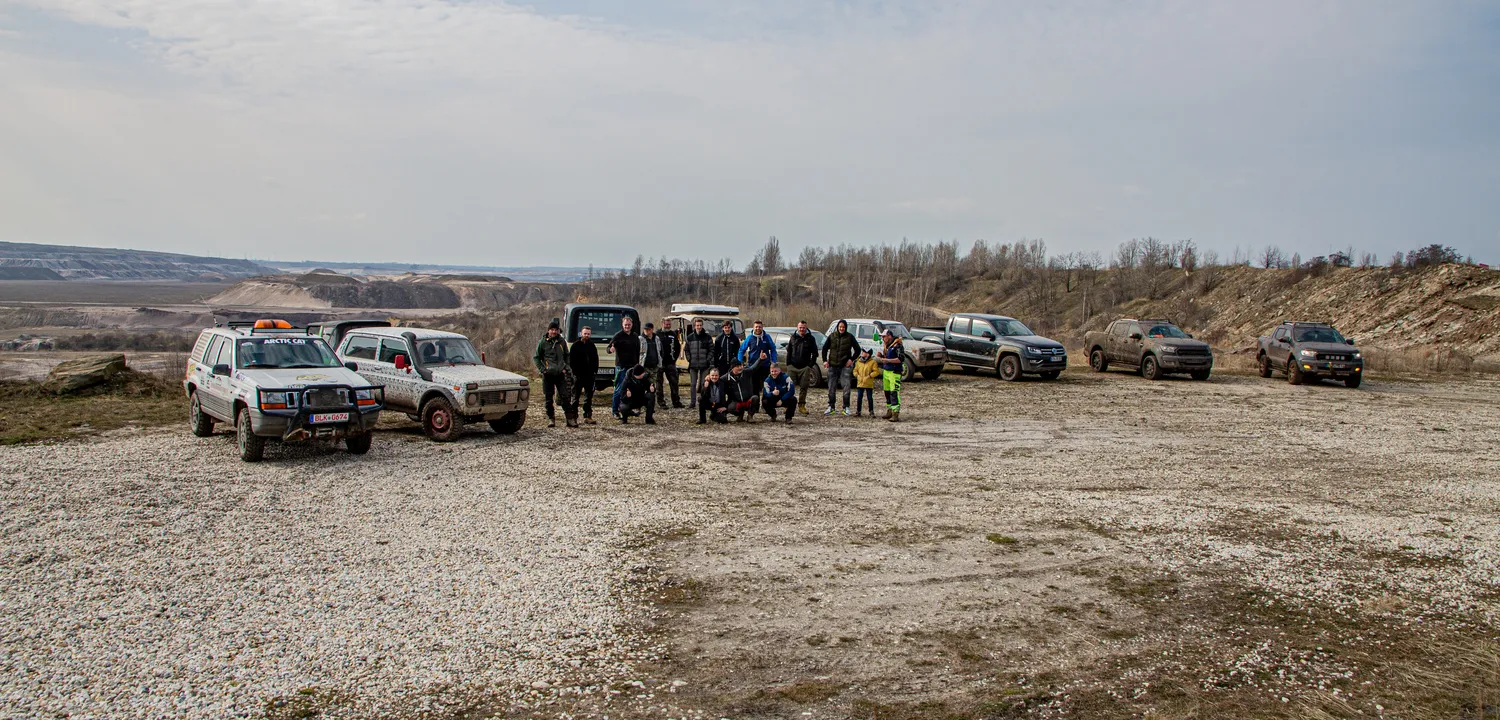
x,y
438,379
922,357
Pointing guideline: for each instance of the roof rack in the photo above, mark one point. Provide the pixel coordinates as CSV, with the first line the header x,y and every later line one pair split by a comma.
x,y
1156,320
1306,322
255,327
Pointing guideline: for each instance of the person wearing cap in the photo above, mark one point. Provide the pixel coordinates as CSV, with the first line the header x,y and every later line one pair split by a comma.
x,y
867,374
778,392
583,357
839,351
891,360
713,398
551,359
744,395
637,394
626,347
669,343
699,348
726,347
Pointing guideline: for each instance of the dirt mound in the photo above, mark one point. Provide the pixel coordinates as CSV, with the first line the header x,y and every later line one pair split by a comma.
x,y
268,293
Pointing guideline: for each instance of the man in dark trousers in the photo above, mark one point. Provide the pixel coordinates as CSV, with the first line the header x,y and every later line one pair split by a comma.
x,y
626,347
637,394
726,349
758,353
744,394
551,359
699,347
651,355
670,341
778,392
712,396
583,357
801,361
840,350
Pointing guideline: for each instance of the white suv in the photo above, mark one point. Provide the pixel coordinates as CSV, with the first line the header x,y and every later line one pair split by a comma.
x,y
271,380
437,379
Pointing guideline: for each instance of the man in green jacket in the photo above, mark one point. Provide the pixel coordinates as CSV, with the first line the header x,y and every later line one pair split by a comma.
x,y
839,353
551,358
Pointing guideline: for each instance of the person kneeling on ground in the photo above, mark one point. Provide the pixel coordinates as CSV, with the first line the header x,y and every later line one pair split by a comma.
x,y
744,396
779,393
712,397
638,392
867,374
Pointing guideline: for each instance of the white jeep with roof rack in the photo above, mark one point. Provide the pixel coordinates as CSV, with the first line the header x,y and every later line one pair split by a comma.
x,y
438,379
271,380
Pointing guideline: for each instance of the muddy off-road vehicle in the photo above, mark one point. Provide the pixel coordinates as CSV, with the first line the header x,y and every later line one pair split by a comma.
x,y
438,379
994,342
1155,348
273,381
1309,351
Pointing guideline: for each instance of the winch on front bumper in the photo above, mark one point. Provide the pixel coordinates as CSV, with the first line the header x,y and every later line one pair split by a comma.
x,y
323,411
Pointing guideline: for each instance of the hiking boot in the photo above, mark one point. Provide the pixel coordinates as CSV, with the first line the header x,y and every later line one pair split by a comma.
x,y
701,422
895,416
887,415
676,406
650,421
789,418
624,419
573,424
803,408
551,422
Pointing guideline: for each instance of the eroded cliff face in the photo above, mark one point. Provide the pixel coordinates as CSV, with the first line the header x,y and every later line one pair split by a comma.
x,y
86,263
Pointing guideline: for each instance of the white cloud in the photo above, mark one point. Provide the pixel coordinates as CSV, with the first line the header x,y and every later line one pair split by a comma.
x,y
486,132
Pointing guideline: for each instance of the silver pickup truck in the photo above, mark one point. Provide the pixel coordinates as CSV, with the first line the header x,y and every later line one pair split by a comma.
x,y
438,379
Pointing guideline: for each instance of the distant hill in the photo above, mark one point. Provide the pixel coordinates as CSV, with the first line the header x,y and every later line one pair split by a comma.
x,y
27,261
555,274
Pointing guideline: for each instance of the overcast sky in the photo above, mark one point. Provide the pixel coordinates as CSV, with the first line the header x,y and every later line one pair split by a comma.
x,y
566,132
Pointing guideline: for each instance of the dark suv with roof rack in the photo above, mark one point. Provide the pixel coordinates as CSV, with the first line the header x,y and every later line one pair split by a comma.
x,y
1154,347
1310,351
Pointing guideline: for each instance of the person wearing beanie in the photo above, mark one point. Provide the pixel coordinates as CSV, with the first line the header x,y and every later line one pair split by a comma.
x,y
551,359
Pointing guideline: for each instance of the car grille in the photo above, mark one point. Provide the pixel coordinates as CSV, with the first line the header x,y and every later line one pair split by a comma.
x,y
1049,351
325,398
1336,357
1192,350
491,397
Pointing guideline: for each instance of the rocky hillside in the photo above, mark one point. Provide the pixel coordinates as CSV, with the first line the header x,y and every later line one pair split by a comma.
x,y
325,289
28,261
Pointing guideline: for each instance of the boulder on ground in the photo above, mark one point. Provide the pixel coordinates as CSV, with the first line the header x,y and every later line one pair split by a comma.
x,y
73,375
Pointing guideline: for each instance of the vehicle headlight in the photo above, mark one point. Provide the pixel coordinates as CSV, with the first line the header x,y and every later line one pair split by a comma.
x,y
1308,353
275,400
1031,350
1357,356
369,396
471,399
1169,348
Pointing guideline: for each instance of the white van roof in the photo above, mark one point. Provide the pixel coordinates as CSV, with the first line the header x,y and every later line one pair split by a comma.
x,y
699,309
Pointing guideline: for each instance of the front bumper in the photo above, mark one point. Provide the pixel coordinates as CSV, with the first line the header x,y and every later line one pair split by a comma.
x,y
1185,363
1331,369
1044,363
298,424
493,403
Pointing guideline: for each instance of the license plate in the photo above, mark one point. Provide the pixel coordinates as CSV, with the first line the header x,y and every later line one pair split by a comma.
x,y
1340,366
330,417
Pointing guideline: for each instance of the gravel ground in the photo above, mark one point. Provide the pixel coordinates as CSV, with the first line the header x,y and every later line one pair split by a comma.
x,y
1047,544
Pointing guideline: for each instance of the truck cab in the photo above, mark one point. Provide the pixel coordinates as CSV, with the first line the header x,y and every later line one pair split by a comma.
x,y
1310,351
604,321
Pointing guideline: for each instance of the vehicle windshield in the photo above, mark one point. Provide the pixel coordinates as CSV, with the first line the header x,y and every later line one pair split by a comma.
x,y
447,351
1165,331
1318,334
275,352
602,322
896,329
1012,328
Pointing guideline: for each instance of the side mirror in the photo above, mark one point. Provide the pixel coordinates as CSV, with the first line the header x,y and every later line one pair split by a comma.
x,y
354,366
987,335
1190,335
221,369
1349,340
401,363
1135,336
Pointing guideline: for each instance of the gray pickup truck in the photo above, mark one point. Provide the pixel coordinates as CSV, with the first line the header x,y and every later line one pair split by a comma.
x,y
999,343
1153,347
1310,351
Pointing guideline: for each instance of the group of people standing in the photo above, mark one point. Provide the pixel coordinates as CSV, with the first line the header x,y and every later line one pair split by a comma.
x,y
727,375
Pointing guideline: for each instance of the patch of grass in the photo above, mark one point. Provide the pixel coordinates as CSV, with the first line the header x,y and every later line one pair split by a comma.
x,y
811,691
30,414
999,539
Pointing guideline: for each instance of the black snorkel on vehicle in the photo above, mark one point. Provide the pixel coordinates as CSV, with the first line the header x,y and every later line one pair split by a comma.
x,y
416,357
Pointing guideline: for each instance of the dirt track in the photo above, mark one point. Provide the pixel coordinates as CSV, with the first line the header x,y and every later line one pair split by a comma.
x,y
1101,545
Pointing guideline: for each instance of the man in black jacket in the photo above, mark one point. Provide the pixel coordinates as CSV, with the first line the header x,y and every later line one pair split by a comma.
x,y
670,347
583,357
726,349
626,347
801,359
744,394
712,396
637,393
840,350
699,347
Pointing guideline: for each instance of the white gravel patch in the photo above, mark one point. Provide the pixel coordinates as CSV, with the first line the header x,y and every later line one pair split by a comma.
x,y
157,575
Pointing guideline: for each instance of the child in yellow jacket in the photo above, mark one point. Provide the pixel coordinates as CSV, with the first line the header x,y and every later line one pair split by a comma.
x,y
867,374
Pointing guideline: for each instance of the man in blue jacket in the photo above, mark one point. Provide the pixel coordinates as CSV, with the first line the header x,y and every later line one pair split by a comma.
x,y
758,353
778,392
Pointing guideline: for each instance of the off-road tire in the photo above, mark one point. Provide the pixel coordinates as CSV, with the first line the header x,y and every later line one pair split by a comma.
x,y
200,422
1009,368
510,424
908,368
932,373
1050,374
1097,361
252,446
1151,368
439,421
1352,381
1265,365
1200,375
1294,374
358,444
414,417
